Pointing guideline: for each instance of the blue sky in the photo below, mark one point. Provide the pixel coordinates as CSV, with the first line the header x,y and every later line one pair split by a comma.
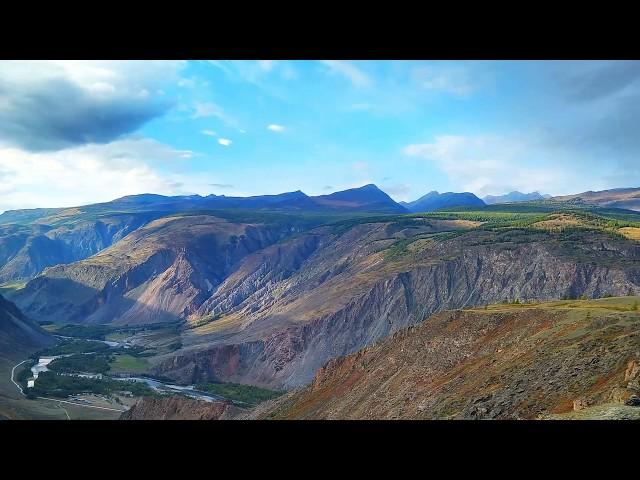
x,y
80,132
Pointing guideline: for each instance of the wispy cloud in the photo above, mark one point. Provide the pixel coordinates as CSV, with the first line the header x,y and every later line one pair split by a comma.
x,y
222,185
210,109
274,127
209,133
446,78
224,141
348,70
259,73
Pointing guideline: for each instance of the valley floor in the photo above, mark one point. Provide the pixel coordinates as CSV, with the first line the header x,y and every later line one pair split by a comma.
x,y
14,406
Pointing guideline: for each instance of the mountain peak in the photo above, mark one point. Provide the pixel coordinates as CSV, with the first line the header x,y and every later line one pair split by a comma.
x,y
435,201
365,198
368,186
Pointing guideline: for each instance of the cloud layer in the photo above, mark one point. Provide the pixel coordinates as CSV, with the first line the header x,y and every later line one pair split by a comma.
x,y
55,105
94,173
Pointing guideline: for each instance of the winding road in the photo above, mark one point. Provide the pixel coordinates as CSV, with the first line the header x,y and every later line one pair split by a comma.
x,y
13,370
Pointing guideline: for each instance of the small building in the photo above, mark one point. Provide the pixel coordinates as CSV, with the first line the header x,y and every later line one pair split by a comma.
x,y
31,382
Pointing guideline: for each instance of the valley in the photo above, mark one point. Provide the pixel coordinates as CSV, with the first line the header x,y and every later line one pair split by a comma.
x,y
276,294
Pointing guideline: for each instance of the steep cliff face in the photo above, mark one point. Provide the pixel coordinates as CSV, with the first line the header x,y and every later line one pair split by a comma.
x,y
505,361
161,272
179,408
283,323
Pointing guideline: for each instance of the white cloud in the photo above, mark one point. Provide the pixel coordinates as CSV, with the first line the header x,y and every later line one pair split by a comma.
x,y
94,74
275,127
210,109
94,173
209,133
224,141
356,76
487,164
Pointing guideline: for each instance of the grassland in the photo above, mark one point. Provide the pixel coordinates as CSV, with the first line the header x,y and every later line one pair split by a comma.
x,y
129,364
608,304
631,232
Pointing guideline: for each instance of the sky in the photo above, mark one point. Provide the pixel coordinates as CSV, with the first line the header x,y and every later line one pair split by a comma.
x,y
80,132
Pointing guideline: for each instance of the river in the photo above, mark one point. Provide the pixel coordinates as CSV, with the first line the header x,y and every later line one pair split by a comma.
x,y
158,386
187,390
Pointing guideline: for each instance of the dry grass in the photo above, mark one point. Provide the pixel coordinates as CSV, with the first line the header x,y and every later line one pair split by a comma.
x,y
630,232
559,221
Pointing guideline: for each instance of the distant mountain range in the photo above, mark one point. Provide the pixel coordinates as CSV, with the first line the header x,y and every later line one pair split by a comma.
x,y
368,198
266,290
627,198
435,201
514,197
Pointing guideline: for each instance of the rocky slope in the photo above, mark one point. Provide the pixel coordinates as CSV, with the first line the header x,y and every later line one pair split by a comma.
x,y
288,309
266,304
179,408
159,273
505,361
33,239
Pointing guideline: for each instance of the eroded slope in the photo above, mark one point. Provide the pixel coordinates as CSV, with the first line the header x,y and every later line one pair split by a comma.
x,y
505,361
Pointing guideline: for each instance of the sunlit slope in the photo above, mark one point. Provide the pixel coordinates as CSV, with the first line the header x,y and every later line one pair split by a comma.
x,y
500,361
